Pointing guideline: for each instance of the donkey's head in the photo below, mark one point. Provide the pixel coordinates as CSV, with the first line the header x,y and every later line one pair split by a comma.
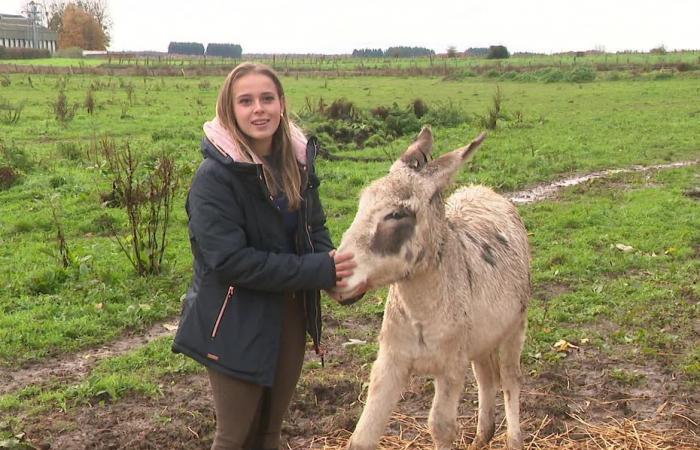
x,y
400,221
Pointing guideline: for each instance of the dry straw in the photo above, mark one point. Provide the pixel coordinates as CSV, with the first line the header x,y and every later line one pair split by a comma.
x,y
625,434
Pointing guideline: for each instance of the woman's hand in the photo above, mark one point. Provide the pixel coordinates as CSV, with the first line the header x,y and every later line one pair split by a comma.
x,y
344,265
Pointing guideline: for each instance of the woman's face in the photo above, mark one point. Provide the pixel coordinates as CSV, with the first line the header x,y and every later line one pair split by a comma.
x,y
257,107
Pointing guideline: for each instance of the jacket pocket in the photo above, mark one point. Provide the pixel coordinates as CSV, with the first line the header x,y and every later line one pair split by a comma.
x,y
222,310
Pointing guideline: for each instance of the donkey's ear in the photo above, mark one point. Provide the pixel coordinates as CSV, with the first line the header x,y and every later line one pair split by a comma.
x,y
417,154
442,170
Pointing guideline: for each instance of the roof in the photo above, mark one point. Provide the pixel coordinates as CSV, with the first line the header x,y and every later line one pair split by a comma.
x,y
16,26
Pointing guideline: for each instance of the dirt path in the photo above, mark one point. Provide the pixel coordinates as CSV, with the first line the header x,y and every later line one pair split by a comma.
x,y
545,191
74,367
70,368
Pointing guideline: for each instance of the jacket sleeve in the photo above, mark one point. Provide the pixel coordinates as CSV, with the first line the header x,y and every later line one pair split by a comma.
x,y
217,226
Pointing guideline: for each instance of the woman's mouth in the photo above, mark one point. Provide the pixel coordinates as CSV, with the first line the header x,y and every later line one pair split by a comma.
x,y
260,122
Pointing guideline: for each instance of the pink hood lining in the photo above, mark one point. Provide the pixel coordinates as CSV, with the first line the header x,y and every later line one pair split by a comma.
x,y
222,140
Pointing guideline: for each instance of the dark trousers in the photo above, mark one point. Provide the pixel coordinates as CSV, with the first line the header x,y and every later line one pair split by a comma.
x,y
249,416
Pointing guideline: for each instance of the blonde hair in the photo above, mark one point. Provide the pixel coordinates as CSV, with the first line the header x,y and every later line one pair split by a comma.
x,y
283,152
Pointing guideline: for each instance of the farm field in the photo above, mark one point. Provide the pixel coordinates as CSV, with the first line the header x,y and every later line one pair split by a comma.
x,y
612,347
344,62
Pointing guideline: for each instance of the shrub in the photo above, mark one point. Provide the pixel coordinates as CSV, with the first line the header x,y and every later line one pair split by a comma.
x,y
419,107
490,120
341,109
498,52
380,112
23,53
63,112
14,157
89,102
445,115
550,75
147,198
399,124
8,177
582,75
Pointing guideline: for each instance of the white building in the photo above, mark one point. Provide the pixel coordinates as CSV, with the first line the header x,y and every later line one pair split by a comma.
x,y
17,31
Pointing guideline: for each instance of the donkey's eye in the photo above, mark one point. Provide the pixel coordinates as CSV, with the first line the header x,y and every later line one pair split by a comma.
x,y
397,215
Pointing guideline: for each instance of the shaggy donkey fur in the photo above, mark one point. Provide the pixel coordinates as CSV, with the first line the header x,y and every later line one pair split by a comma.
x,y
460,282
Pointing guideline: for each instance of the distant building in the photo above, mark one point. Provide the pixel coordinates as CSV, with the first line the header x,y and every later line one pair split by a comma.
x,y
17,31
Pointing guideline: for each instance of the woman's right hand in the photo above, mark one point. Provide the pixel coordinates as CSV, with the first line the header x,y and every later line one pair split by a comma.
x,y
344,265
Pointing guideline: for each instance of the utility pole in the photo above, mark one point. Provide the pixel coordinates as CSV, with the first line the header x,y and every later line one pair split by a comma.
x,y
33,15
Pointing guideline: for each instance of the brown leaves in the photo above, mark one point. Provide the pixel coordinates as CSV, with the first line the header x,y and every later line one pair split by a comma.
x,y
80,29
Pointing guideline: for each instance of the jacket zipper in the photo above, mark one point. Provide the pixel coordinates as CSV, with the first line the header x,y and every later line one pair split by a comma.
x,y
217,325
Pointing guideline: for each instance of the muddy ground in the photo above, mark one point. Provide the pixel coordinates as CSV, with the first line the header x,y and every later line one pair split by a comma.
x,y
554,400
563,404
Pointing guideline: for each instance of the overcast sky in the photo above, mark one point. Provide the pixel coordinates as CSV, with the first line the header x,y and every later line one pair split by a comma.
x,y
328,26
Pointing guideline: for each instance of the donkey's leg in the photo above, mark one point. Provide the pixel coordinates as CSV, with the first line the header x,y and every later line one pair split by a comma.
x,y
509,362
442,421
486,374
387,381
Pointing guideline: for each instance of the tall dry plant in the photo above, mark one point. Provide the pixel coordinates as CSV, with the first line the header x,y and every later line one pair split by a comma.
x,y
56,214
490,120
147,198
63,111
89,101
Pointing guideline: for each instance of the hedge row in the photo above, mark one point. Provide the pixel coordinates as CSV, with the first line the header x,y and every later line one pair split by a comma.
x,y
23,53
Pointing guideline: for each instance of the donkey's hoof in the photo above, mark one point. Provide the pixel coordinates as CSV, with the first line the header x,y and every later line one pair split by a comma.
x,y
515,441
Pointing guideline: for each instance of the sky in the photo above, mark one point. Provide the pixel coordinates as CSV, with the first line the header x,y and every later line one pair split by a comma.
x,y
337,27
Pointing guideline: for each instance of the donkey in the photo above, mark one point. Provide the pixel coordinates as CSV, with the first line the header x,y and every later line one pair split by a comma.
x,y
459,276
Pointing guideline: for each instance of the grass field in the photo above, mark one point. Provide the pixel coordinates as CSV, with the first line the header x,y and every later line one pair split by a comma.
x,y
616,261
334,62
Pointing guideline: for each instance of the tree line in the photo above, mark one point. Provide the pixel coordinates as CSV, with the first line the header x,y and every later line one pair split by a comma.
x,y
492,52
197,49
393,52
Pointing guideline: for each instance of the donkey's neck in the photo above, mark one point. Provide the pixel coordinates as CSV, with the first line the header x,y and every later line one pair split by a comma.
x,y
421,293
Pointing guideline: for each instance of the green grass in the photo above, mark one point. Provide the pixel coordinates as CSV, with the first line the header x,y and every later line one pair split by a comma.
x,y
649,295
651,301
561,129
647,299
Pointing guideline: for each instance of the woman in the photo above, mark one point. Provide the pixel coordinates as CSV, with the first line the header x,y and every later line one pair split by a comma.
x,y
261,253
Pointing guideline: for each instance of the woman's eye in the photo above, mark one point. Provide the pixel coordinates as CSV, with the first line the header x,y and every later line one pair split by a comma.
x,y
244,101
269,99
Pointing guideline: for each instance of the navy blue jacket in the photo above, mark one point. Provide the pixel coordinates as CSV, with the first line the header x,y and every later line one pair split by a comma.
x,y
233,312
